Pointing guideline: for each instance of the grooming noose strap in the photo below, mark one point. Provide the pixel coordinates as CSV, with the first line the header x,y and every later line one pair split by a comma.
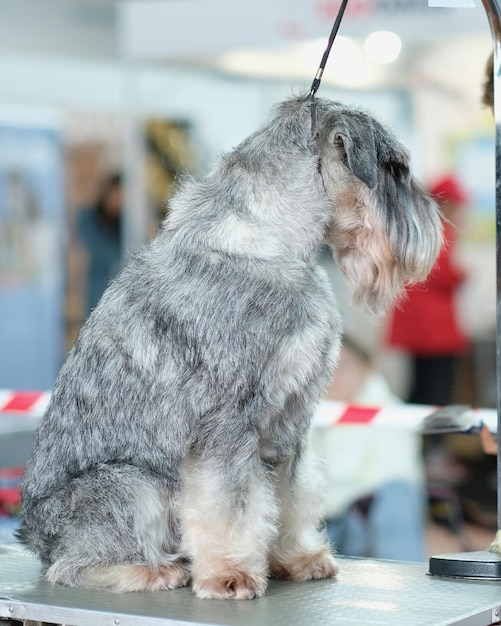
x,y
318,76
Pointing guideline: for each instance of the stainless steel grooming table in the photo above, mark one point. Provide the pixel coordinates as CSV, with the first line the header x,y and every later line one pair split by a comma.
x,y
367,591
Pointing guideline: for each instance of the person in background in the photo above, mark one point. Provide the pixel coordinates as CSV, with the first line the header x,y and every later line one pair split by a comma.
x,y
424,322
375,480
98,229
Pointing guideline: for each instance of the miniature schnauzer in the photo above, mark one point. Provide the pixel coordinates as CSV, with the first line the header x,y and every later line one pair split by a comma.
x,y
174,445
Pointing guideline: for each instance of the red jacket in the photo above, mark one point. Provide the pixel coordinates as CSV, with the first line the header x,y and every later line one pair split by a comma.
x,y
424,322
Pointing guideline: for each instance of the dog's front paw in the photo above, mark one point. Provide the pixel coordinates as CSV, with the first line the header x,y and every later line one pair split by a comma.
x,y
232,585
302,567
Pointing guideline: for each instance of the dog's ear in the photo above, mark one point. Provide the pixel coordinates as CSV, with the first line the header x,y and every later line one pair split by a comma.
x,y
358,148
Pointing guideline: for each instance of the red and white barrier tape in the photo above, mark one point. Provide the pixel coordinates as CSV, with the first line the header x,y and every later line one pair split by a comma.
x,y
411,416
25,403
329,413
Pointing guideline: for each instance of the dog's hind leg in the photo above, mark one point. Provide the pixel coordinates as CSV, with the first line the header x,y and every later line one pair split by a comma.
x,y
115,529
301,551
121,577
228,517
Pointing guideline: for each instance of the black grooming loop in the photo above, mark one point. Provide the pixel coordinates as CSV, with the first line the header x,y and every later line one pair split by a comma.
x,y
318,76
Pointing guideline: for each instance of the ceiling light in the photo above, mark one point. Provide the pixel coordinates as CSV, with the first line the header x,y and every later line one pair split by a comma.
x,y
347,66
382,47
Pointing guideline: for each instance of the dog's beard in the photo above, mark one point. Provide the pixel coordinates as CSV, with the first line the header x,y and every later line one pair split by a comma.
x,y
380,255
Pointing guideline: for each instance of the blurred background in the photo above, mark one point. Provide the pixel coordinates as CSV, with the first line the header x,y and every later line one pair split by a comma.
x,y
105,103
149,89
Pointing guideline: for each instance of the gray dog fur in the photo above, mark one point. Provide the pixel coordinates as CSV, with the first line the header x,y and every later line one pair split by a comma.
x,y
173,447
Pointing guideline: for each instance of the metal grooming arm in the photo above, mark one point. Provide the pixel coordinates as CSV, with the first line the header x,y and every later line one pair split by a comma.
x,y
493,10
487,563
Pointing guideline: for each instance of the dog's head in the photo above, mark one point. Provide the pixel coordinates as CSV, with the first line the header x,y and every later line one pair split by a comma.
x,y
386,231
